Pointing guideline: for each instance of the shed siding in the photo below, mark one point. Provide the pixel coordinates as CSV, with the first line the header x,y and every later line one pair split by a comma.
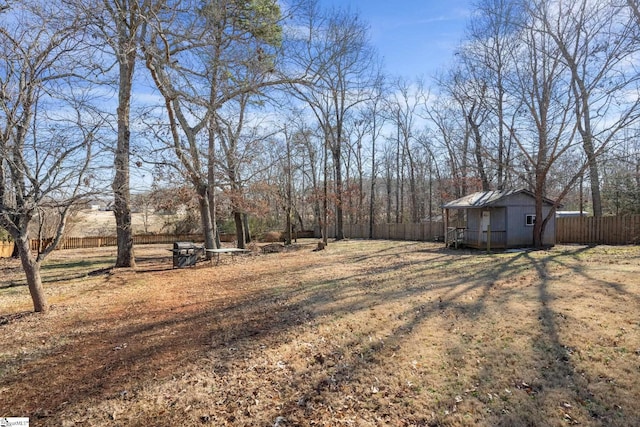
x,y
498,219
520,234
473,219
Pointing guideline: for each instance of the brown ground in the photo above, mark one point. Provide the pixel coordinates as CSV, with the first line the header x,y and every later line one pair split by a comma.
x,y
361,334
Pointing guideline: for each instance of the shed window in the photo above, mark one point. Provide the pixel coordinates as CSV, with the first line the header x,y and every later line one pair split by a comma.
x,y
530,220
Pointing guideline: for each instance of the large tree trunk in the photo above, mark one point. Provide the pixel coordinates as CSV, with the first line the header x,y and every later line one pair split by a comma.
x,y
247,231
538,229
208,228
317,215
237,218
211,225
539,225
124,233
594,173
121,187
31,268
287,232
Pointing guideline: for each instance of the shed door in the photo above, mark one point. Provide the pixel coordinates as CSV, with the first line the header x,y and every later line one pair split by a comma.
x,y
485,221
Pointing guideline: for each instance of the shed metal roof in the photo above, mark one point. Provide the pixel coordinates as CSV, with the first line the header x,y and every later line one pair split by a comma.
x,y
487,198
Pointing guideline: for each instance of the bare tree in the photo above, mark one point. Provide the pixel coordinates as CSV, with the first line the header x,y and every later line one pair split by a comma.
x,y
435,184
597,43
373,113
201,58
241,141
47,132
311,149
450,133
545,131
388,165
486,60
341,67
405,99
116,27
468,89
288,191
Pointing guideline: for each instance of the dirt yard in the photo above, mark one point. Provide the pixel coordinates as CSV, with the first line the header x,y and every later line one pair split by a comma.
x,y
364,333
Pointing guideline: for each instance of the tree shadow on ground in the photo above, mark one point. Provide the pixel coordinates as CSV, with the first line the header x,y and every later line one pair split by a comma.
x,y
147,342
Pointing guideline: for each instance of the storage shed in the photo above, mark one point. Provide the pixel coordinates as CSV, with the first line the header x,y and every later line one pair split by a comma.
x,y
496,219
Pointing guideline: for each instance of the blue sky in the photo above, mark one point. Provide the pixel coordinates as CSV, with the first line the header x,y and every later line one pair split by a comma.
x,y
415,37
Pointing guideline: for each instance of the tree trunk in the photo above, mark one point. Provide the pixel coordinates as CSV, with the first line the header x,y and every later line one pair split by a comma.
x,y
287,233
413,188
247,231
317,211
300,220
325,196
211,190
398,176
211,230
389,189
208,228
124,232
237,218
289,193
538,229
594,174
317,216
360,216
339,213
538,226
31,269
373,181
121,187
503,158
475,129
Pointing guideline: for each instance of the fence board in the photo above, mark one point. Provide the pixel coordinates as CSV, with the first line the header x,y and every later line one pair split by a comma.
x,y
417,232
6,249
101,241
607,230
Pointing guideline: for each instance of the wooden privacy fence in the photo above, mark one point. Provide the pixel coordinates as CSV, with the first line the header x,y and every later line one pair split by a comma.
x,y
423,231
6,249
606,230
100,241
